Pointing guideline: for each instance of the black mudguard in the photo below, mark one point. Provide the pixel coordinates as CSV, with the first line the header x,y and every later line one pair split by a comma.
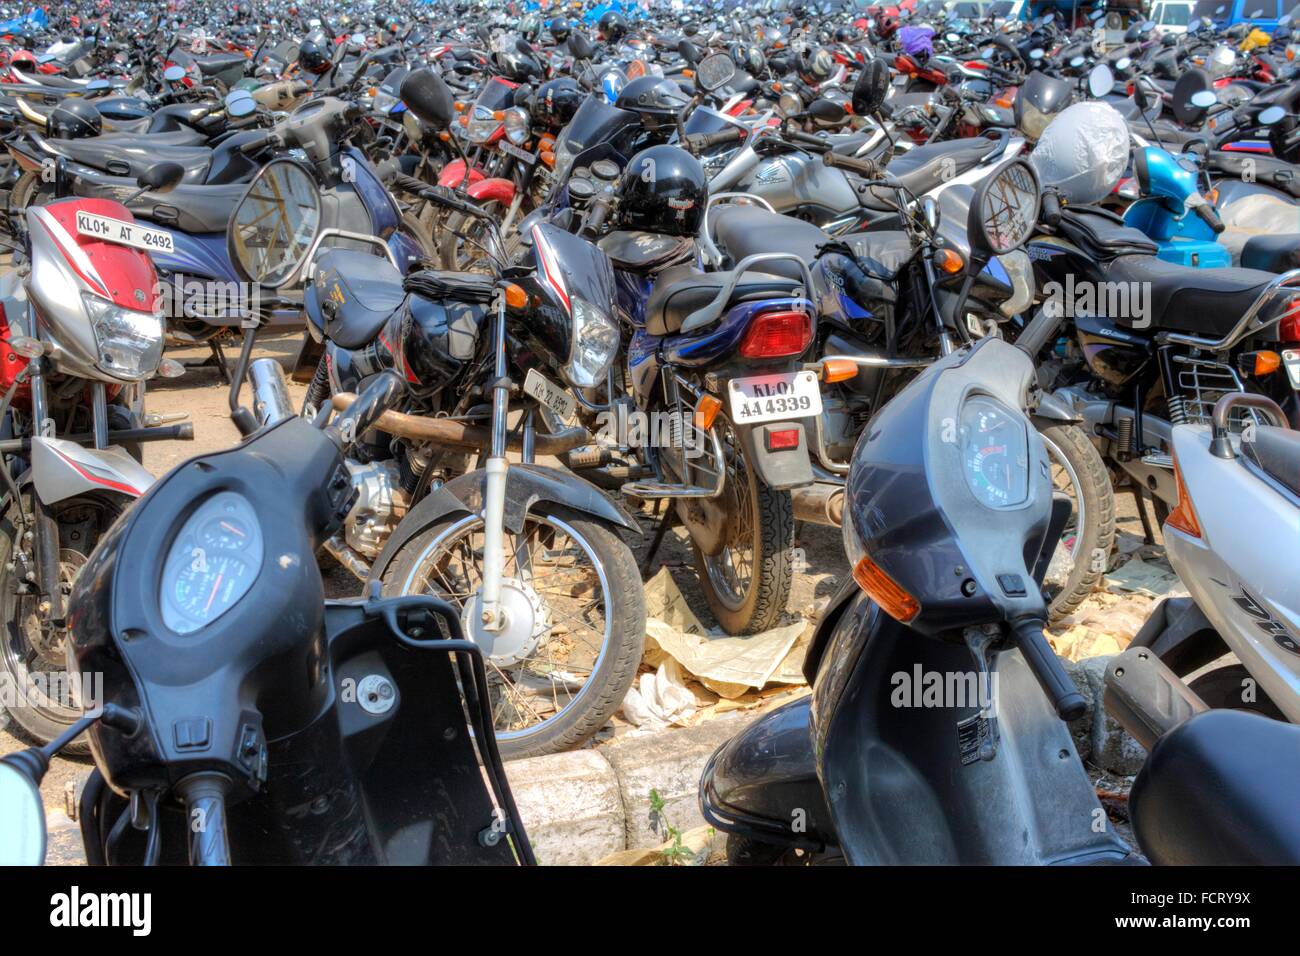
x,y
763,784
779,470
526,485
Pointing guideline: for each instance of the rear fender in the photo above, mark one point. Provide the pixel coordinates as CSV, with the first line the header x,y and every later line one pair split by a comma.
x,y
493,190
63,469
526,486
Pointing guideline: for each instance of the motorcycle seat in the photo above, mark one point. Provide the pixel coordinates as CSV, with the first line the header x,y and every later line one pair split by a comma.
x,y
131,156
191,208
681,290
1205,302
357,293
1102,234
1277,253
923,168
1277,453
1219,790
176,137
1267,170
742,231
219,62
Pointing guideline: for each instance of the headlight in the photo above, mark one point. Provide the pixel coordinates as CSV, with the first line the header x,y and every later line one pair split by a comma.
x,y
516,123
595,343
482,124
1033,121
384,102
130,343
789,104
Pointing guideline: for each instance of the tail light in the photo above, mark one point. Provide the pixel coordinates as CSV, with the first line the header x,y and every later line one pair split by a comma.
x,y
1288,329
777,335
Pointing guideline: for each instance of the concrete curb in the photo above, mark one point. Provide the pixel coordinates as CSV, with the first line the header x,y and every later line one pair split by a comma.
x,y
580,807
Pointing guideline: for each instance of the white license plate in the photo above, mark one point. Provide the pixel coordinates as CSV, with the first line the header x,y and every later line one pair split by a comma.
x,y
124,233
767,398
1291,359
554,397
520,154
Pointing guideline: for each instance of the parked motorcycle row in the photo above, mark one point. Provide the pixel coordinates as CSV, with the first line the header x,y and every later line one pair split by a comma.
x,y
567,279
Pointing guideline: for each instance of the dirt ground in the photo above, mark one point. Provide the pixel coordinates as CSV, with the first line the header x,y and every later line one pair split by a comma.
x,y
204,397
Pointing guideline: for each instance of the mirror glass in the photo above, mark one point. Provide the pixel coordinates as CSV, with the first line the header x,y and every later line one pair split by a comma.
x,y
715,71
1101,80
1204,99
1274,114
273,226
174,74
22,820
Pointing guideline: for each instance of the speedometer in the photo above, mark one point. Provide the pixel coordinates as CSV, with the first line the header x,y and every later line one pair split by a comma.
x,y
212,563
995,453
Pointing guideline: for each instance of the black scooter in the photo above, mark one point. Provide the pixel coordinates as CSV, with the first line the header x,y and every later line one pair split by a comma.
x,y
244,718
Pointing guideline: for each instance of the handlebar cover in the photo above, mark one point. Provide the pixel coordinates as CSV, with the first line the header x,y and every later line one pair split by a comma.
x,y
1046,666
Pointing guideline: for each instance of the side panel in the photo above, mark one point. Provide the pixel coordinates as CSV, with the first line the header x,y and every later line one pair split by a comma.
x,y
62,469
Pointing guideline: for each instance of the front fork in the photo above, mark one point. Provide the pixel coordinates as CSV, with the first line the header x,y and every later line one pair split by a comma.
x,y
494,484
46,544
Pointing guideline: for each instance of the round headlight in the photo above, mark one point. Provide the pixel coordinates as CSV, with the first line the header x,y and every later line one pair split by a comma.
x,y
516,123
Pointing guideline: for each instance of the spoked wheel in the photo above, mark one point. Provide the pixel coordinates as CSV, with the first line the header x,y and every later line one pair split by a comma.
x,y
575,620
464,243
1081,555
34,653
746,575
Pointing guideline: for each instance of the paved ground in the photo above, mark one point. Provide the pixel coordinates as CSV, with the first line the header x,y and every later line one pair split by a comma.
x,y
201,394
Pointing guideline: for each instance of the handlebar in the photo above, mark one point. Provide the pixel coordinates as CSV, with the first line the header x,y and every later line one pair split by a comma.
x,y
598,213
698,141
205,815
1051,207
853,164
1210,216
1046,667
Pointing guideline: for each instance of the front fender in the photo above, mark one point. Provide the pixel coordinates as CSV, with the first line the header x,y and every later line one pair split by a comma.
x,y
63,469
453,174
495,189
526,485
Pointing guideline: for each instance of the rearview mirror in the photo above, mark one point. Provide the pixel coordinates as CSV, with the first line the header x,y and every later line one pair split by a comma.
x,y
273,227
174,74
240,103
1274,114
22,835
714,72
1003,210
687,51
870,88
580,46
1204,99
826,112
161,177
428,97
1101,80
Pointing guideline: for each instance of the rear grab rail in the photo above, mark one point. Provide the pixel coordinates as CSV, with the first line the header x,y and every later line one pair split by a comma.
x,y
708,314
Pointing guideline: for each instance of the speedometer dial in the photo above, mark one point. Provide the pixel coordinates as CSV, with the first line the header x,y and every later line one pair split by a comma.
x,y
995,453
212,563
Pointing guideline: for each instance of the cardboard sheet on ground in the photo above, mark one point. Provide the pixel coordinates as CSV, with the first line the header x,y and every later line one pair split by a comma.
x,y
1140,577
728,665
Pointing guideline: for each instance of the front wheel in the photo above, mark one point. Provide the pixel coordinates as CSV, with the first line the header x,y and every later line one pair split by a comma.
x,y
1081,556
575,620
464,244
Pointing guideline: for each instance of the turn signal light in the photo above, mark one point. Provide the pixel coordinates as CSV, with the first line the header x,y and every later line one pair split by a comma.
x,y
1261,363
548,158
777,335
1003,102
885,591
460,107
838,370
1183,517
498,115
949,261
516,297
706,410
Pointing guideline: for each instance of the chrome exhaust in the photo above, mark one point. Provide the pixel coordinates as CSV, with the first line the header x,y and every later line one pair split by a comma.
x,y
819,503
270,393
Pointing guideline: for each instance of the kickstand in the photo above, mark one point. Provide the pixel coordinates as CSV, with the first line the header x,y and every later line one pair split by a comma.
x,y
216,360
666,520
1140,500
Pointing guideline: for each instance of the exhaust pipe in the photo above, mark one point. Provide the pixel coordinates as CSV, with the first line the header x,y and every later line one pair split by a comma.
x,y
819,503
270,394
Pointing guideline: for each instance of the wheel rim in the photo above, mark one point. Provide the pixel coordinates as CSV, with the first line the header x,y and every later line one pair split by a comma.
x,y
30,650
1065,556
731,570
556,676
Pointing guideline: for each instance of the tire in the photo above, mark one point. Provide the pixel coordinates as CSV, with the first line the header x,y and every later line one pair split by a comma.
x,y
1222,687
420,232
25,192
619,655
744,851
454,253
771,537
1077,457
45,719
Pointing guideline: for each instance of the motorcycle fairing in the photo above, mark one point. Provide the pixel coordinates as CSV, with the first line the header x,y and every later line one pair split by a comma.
x,y
63,469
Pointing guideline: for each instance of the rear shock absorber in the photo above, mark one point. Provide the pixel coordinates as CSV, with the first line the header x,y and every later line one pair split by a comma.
x,y
1124,438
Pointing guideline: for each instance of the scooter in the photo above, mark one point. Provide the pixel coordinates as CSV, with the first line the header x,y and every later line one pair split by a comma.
x,y
243,719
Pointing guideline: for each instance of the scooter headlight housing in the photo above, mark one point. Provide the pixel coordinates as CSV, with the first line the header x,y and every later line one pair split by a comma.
x,y
595,344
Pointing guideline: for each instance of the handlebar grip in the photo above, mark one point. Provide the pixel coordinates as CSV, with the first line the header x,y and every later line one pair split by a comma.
x,y
1046,666
863,167
733,134
377,397
254,145
600,210
452,200
205,816
807,139
1210,216
1051,208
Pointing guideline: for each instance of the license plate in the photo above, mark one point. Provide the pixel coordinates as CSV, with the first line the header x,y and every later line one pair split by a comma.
x,y
124,233
520,154
1291,359
767,398
554,397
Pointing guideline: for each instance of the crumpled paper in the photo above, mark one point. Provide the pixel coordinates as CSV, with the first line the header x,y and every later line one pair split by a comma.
x,y
659,699
727,664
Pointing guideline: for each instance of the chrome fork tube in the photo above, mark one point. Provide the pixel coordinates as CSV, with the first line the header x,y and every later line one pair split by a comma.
x,y
494,484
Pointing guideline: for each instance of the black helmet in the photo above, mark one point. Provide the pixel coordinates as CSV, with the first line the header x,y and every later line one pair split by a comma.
x,y
663,190
555,101
531,27
518,66
655,99
312,57
612,25
560,29
816,66
1040,98
73,118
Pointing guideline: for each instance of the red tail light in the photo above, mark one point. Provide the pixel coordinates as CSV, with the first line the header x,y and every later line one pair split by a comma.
x,y
1288,330
777,335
